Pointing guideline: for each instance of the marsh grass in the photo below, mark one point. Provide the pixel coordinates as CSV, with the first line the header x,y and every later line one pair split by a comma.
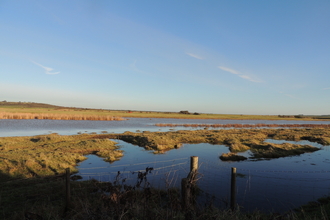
x,y
238,140
39,156
259,125
41,160
58,116
232,157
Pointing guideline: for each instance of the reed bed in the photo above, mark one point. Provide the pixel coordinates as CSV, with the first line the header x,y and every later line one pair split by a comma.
x,y
5,115
245,125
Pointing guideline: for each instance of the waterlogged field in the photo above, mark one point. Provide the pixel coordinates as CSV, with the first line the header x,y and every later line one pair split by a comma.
x,y
275,176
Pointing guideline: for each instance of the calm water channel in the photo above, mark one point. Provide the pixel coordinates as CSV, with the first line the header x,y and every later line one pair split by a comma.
x,y
12,127
268,185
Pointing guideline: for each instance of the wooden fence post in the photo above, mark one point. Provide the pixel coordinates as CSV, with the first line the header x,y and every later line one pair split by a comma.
x,y
193,164
67,187
187,183
233,189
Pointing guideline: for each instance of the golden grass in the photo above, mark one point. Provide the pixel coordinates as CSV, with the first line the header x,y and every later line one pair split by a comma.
x,y
259,125
237,140
232,157
46,155
33,109
50,154
5,115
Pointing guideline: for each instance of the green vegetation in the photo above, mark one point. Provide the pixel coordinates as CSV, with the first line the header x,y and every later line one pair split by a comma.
x,y
31,181
232,157
238,140
51,110
45,155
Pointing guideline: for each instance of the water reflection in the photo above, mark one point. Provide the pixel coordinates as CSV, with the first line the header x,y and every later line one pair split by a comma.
x,y
270,185
12,127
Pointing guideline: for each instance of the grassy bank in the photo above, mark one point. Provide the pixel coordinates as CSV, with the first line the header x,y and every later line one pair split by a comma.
x,y
47,155
21,108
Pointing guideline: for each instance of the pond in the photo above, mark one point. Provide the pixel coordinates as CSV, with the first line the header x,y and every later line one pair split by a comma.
x,y
269,185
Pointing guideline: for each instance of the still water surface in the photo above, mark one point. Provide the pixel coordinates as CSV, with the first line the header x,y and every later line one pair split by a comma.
x,y
269,185
12,127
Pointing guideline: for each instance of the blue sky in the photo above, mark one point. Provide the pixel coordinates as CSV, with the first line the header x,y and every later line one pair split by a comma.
x,y
231,57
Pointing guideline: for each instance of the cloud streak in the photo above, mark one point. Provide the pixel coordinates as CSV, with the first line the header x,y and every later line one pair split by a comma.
x,y
235,72
48,70
229,70
195,56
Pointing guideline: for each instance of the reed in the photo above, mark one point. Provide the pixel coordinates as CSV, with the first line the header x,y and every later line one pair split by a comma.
x,y
5,115
245,125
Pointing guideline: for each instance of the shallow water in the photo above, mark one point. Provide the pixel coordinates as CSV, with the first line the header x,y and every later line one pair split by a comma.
x,y
268,185
12,127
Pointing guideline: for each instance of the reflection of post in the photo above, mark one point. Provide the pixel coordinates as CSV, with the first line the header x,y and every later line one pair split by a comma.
x,y
185,193
233,188
67,183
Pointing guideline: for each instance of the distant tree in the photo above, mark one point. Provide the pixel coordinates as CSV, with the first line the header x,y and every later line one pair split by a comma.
x,y
184,112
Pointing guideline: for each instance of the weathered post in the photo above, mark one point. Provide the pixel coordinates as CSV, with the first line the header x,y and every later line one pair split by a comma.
x,y
193,168
67,187
193,164
233,189
187,183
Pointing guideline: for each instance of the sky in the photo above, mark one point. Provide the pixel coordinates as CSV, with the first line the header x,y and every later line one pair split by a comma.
x,y
214,56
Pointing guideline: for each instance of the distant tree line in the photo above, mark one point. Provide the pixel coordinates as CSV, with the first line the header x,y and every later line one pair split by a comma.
x,y
188,113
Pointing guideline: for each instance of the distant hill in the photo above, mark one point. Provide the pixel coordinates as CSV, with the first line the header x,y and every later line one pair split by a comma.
x,y
27,105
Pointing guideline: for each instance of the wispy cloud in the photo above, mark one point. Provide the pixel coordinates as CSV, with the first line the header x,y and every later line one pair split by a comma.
x,y
229,70
48,70
243,76
195,56
326,88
